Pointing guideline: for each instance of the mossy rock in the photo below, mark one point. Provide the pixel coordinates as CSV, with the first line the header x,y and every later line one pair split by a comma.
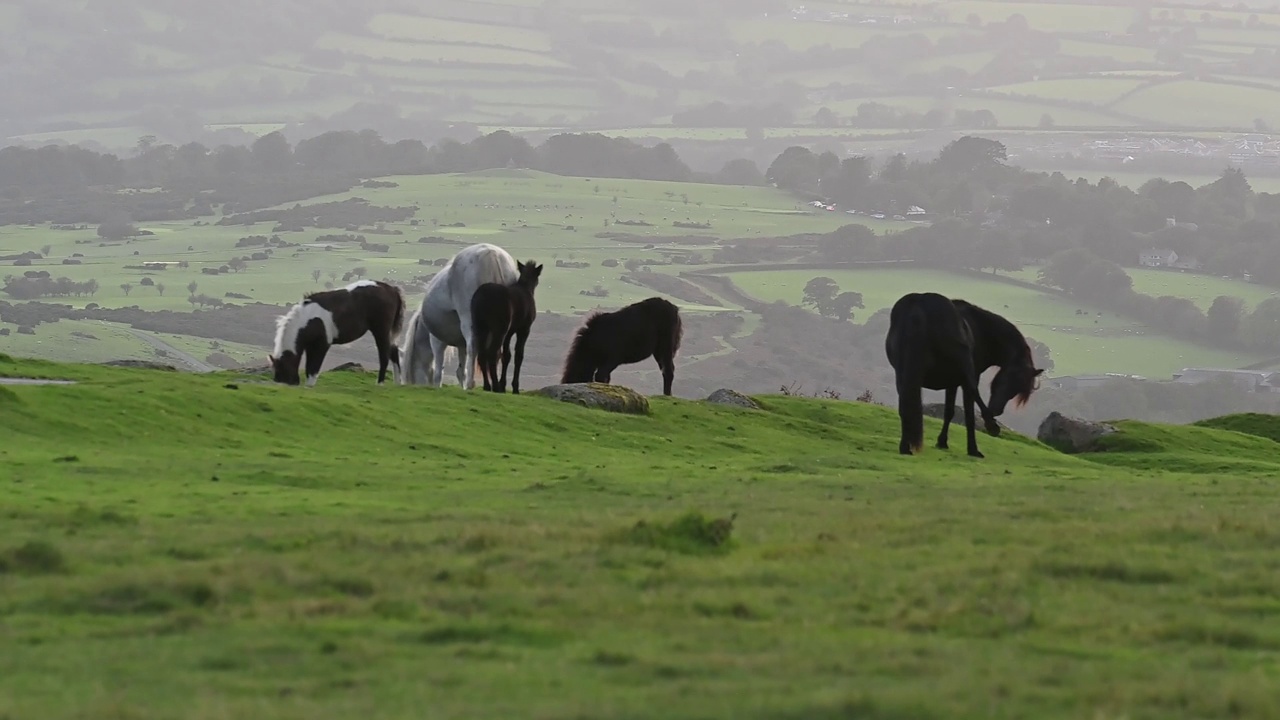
x,y
602,396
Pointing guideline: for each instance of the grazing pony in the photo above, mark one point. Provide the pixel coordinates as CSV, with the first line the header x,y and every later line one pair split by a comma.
x,y
944,344
338,317
443,319
637,331
498,312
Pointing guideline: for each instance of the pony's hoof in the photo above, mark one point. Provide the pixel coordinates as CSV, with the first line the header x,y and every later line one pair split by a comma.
x,y
976,454
942,445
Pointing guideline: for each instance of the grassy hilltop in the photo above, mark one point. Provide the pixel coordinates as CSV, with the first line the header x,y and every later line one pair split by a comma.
x,y
212,546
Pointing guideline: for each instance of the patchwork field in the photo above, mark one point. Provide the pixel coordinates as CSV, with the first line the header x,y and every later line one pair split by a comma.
x,y
657,61
209,545
1090,342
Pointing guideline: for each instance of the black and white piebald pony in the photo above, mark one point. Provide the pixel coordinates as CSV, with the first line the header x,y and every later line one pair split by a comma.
x,y
338,317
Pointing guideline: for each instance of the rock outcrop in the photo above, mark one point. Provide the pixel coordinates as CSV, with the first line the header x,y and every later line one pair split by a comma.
x,y
1072,435
725,396
602,396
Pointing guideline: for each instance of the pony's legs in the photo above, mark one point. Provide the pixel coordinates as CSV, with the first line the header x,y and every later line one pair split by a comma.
x,y
315,359
506,362
604,373
435,373
903,384
382,338
521,337
947,415
970,433
461,373
472,348
396,372
667,364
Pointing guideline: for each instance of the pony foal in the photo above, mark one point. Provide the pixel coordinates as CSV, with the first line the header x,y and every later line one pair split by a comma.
x,y
606,340
942,344
338,317
497,313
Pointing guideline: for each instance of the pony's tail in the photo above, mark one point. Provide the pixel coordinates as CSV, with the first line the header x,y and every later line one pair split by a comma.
x,y
577,364
677,330
910,404
397,322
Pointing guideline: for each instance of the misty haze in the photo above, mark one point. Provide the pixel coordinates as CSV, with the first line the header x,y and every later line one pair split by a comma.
x,y
186,537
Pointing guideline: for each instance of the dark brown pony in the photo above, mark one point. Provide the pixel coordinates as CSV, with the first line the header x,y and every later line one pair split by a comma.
x,y
943,344
338,317
497,313
606,340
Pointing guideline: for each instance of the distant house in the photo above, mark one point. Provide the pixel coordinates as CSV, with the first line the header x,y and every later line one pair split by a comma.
x,y
1084,382
916,212
1156,257
1187,263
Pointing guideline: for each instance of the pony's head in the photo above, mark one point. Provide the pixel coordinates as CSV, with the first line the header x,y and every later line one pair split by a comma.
x,y
580,363
529,274
285,367
1014,382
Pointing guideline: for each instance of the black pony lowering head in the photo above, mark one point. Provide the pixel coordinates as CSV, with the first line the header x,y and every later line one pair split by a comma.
x,y
1014,382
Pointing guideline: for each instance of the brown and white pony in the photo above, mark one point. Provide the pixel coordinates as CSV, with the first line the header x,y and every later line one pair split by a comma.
x,y
338,317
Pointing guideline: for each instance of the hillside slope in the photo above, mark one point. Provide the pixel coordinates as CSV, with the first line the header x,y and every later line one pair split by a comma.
x,y
213,546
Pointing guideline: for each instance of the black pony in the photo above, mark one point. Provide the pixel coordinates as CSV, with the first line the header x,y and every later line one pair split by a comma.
x,y
338,317
497,313
944,344
606,340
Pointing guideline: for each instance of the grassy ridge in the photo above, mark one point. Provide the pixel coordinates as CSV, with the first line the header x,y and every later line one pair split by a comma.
x,y
174,546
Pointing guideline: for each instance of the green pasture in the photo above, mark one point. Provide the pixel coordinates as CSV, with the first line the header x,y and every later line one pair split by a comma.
x,y
407,51
1086,343
214,546
1204,104
1097,90
397,26
533,215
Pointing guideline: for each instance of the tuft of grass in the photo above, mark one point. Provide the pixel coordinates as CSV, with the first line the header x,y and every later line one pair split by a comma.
x,y
691,534
34,557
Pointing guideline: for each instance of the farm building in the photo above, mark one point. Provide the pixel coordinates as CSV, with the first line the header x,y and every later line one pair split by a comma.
x,y
1157,257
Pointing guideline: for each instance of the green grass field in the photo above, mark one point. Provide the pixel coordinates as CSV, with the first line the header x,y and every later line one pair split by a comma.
x,y
1079,343
208,546
526,212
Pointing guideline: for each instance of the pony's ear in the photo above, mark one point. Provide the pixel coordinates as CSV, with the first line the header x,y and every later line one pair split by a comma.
x,y
519,266
537,269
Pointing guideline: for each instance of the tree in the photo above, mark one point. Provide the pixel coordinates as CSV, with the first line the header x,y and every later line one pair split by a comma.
x,y
795,169
192,287
91,287
315,275
1040,354
117,229
237,264
970,154
160,289
127,288
740,172
1224,318
359,271
841,306
826,117
819,292
45,250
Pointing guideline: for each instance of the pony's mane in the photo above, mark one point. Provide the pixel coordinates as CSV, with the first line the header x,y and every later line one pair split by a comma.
x,y
287,327
577,361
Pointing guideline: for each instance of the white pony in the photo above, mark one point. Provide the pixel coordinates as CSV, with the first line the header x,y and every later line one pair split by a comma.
x,y
443,320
